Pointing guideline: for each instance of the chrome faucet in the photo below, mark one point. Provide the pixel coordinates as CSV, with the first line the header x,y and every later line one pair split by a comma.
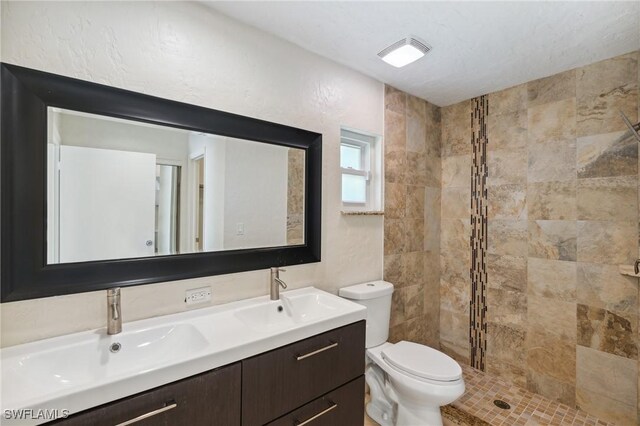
x,y
114,314
276,283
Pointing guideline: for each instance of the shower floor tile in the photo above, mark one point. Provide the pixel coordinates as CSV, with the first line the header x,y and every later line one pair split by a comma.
x,y
476,407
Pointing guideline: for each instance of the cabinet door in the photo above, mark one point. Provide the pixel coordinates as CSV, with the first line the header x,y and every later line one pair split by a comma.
x,y
276,382
341,407
211,398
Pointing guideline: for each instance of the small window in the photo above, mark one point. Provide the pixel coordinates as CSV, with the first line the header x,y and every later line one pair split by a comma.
x,y
360,171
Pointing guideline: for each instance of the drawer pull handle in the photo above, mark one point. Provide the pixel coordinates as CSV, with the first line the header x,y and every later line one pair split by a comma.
x,y
316,352
149,414
321,413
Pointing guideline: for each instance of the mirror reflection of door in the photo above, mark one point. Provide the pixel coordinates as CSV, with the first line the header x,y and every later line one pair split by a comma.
x,y
167,222
199,203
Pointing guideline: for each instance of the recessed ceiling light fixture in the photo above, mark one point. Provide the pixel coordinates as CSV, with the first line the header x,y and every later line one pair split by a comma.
x,y
404,52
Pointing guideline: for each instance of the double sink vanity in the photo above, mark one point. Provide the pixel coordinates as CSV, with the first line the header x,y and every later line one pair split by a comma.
x,y
251,362
105,188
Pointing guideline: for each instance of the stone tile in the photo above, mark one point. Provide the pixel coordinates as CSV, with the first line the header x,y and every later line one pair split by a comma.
x,y
433,170
413,298
552,162
612,198
551,89
394,236
507,237
552,239
416,330
416,172
395,132
459,351
608,375
507,131
507,167
456,129
555,279
552,356
416,124
395,200
605,408
414,237
612,243
413,268
394,100
507,272
606,76
601,114
609,154
393,270
454,291
434,130
507,308
551,201
608,332
454,236
456,203
456,171
397,333
397,308
454,327
551,388
432,206
552,317
415,202
506,343
604,287
508,100
507,202
511,373
552,122
395,164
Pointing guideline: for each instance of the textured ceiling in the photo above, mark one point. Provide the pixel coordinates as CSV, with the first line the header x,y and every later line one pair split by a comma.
x,y
478,47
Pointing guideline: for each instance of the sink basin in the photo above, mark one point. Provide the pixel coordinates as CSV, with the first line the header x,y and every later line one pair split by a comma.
x,y
267,316
92,359
79,371
291,310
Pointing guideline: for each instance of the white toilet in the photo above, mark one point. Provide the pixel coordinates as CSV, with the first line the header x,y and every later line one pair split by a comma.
x,y
409,382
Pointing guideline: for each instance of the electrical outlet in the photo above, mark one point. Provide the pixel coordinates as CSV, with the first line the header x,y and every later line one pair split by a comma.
x,y
198,295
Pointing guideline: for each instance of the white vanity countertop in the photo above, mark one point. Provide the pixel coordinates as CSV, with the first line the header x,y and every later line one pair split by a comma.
x,y
78,371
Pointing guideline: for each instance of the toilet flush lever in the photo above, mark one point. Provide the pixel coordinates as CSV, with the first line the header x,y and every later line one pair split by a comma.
x,y
636,266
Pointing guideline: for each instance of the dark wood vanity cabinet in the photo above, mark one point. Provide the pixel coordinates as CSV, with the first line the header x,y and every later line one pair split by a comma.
x,y
279,381
206,399
316,381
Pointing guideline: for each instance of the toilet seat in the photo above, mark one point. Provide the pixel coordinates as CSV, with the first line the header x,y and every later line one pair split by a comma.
x,y
422,361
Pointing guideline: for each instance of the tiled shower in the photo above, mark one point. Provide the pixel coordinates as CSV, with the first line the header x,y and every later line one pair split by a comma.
x,y
561,217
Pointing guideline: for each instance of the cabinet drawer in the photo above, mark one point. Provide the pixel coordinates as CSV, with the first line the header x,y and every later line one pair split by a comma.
x,y
206,399
343,406
284,379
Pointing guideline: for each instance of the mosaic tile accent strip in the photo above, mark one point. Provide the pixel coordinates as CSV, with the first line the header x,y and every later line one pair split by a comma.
x,y
478,239
527,408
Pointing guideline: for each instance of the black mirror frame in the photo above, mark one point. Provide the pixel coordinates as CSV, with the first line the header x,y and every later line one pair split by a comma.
x,y
25,96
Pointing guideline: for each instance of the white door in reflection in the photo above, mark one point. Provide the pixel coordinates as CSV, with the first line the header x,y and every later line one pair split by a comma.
x,y
107,204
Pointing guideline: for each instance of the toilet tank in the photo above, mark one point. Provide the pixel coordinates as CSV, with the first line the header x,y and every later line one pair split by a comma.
x,y
376,296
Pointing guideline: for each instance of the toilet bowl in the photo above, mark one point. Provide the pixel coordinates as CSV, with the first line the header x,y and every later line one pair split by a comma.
x,y
408,382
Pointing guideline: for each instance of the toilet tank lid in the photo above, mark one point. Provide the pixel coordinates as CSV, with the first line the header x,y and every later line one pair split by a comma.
x,y
369,290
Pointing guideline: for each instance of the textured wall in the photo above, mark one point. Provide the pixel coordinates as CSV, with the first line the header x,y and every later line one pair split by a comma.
x,y
563,214
412,215
186,52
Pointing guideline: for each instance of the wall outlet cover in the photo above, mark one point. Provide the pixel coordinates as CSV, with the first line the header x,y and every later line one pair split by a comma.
x,y
198,295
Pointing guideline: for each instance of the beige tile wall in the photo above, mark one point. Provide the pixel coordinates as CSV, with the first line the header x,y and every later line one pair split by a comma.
x,y
412,216
563,213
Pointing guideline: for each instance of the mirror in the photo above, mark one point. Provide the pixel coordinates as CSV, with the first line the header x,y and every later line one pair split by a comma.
x,y
104,187
119,189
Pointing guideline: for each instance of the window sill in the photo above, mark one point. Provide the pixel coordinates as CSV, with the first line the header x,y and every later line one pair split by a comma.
x,y
363,213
